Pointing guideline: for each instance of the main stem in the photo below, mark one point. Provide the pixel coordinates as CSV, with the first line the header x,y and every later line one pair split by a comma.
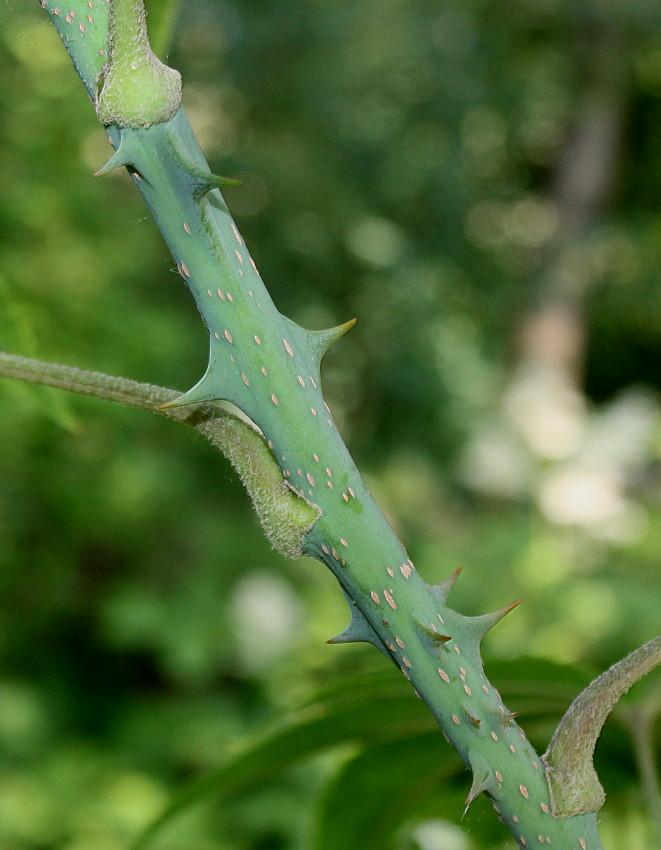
x,y
269,367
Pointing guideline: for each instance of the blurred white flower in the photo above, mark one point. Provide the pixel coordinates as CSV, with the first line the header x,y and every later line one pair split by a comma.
x,y
267,616
495,463
580,497
581,466
547,411
439,835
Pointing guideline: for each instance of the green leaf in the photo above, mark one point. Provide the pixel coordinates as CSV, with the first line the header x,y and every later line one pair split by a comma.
x,y
385,786
362,715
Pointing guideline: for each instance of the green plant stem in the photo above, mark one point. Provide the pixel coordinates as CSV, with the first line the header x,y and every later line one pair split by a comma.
x,y
96,385
575,787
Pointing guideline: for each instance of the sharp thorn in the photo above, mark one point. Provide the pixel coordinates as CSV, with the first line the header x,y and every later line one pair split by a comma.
x,y
202,391
205,183
476,790
511,715
442,591
117,160
321,341
483,780
359,630
486,622
472,719
434,638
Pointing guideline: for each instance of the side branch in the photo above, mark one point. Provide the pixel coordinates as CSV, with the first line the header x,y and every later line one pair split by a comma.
x,y
96,385
285,516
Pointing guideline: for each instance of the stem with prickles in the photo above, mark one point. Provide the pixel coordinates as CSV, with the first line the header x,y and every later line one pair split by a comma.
x,y
269,367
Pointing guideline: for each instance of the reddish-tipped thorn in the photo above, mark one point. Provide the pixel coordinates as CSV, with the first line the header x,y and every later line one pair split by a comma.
x,y
434,638
486,622
472,719
442,591
437,638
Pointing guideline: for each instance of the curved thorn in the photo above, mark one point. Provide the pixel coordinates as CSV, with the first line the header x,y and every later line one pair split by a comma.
x,y
358,631
483,779
202,391
321,341
485,622
205,183
442,591
117,160
433,638
472,719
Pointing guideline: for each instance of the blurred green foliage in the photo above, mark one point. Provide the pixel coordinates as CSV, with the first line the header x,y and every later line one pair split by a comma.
x,y
444,171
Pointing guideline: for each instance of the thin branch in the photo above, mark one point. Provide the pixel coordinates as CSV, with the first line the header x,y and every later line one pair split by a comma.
x,y
573,782
98,385
285,515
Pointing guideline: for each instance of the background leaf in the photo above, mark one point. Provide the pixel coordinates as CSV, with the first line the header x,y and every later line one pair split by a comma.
x,y
162,22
